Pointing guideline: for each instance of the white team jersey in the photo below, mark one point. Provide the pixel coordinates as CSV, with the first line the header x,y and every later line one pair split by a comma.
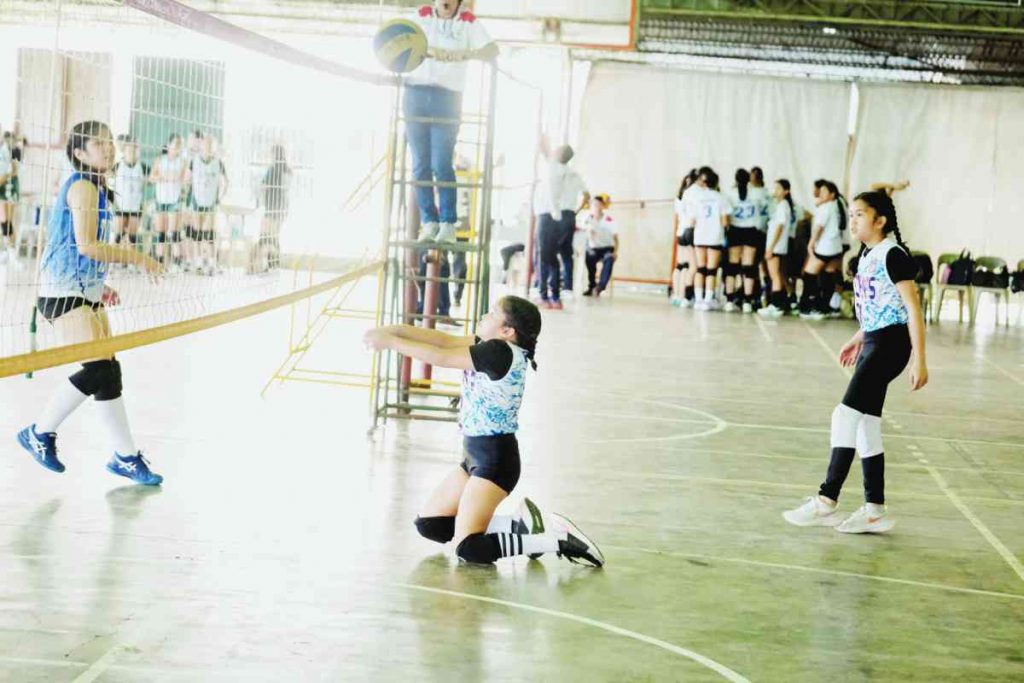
x,y
206,177
6,164
779,224
763,201
169,191
682,211
129,186
744,211
831,242
878,301
707,207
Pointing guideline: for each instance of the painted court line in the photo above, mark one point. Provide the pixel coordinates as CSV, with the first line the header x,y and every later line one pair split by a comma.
x,y
957,502
97,668
1005,372
763,328
818,570
718,425
722,670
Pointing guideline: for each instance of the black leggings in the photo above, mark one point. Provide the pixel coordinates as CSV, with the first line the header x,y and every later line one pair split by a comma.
x,y
883,357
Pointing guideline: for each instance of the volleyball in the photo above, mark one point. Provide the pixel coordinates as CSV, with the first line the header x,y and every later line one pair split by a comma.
x,y
400,45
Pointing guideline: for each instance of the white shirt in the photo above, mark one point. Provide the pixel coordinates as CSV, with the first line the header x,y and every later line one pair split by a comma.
x,y
5,159
558,191
601,232
744,211
169,191
206,177
762,200
461,33
831,242
779,224
129,186
706,207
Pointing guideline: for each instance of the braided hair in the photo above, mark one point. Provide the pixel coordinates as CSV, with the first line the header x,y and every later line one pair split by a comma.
x,y
523,317
882,204
742,182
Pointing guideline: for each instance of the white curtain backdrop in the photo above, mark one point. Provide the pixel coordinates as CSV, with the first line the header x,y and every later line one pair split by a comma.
x,y
963,151
642,128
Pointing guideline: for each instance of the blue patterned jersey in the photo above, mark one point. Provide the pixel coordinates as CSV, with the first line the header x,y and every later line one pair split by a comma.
x,y
64,271
879,303
491,407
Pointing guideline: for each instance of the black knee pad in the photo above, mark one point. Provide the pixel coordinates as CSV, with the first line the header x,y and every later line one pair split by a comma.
x,y
750,272
703,270
437,529
479,548
681,266
159,238
174,237
100,379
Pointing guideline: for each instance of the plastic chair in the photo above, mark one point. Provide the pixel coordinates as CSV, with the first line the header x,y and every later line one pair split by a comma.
x,y
941,289
925,289
991,263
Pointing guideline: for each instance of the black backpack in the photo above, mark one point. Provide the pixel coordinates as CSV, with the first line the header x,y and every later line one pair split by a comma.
x,y
1017,281
961,270
983,277
925,272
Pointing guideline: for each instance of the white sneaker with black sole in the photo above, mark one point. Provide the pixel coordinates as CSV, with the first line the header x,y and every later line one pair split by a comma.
x,y
868,519
576,547
814,512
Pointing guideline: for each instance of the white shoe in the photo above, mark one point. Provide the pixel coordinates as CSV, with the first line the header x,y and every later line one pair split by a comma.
x,y
428,232
674,301
835,301
686,303
567,295
730,307
770,312
748,307
813,315
711,305
814,512
868,519
446,233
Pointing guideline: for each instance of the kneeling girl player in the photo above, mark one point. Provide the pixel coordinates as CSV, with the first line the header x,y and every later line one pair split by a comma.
x,y
494,365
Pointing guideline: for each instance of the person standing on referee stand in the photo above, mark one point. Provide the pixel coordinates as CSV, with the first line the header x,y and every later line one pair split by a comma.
x,y
434,91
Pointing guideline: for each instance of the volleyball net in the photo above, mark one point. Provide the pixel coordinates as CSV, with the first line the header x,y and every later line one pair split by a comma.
x,y
234,154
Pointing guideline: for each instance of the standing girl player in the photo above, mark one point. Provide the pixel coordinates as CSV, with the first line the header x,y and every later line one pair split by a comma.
x,y
8,192
169,174
494,366
73,297
891,334
709,216
777,247
130,177
686,262
824,254
209,184
744,239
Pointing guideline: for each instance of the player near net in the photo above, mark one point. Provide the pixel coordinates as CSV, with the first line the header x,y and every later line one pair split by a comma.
x,y
73,297
462,507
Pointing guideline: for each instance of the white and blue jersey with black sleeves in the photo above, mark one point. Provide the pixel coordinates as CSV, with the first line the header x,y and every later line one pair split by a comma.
x,y
492,392
878,301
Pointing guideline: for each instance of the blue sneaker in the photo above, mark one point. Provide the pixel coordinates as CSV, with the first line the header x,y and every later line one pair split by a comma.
x,y
43,447
134,467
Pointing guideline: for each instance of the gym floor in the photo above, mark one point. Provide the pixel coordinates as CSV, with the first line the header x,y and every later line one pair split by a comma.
x,y
282,548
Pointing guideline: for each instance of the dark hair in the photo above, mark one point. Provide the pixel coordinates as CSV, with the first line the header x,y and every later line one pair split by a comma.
x,y
564,153
709,176
789,196
820,183
198,134
742,181
523,317
757,174
840,203
881,203
79,135
688,179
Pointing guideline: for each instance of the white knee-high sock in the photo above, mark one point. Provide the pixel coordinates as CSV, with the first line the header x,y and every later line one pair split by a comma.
x,y
506,524
63,402
114,416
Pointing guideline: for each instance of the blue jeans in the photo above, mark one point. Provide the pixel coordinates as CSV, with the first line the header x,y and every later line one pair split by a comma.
x,y
551,238
433,146
607,260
